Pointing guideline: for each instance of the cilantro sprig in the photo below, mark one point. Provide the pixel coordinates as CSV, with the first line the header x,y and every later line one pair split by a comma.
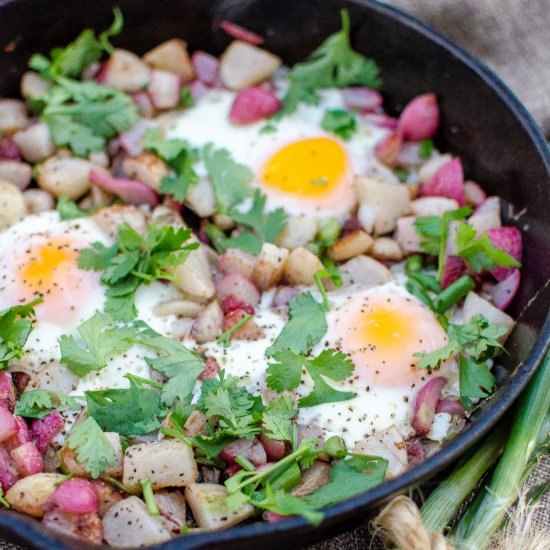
x,y
333,65
38,403
339,122
135,260
68,209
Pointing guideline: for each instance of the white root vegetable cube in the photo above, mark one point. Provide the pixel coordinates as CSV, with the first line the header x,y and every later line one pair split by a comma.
x,y
269,268
301,265
385,248
33,86
208,324
12,204
168,463
194,276
18,173
128,524
147,168
243,65
374,447
207,502
299,231
13,116
406,235
29,494
386,202
180,308
164,89
127,72
365,271
350,245
476,305
110,218
65,176
201,199
35,142
171,56
432,206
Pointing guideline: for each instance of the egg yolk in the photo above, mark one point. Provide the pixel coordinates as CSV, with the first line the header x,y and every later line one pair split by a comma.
x,y
309,168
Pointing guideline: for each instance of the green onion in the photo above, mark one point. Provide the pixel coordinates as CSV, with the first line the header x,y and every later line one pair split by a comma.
x,y
401,174
335,447
416,290
226,336
329,232
65,478
314,248
453,293
244,463
428,282
425,148
287,479
413,264
475,529
216,235
148,497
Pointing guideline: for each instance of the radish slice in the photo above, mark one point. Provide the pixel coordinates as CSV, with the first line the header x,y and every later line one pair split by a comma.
x,y
451,406
251,450
365,100
381,121
21,379
415,454
27,459
387,150
274,449
206,67
45,429
473,193
101,74
8,149
420,118
426,401
240,33
22,436
130,191
211,369
8,424
509,240
240,287
76,496
8,471
253,104
132,140
453,269
231,303
7,393
448,181
272,517
503,292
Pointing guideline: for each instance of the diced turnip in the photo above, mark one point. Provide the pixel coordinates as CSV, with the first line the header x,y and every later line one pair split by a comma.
x,y
432,206
18,173
453,269
365,100
509,240
384,249
299,230
301,265
171,506
107,495
132,192
243,65
43,430
29,495
448,182
253,104
201,199
110,218
129,524
269,267
350,245
407,236
313,478
35,142
196,424
12,204
473,193
85,528
486,215
425,403
365,271
239,286
13,116
147,168
7,393
420,118
132,140
504,291
208,504
126,71
33,86
65,176
387,150
27,459
194,276
171,56
9,149
164,89
168,463
22,436
249,331
392,439
8,424
235,260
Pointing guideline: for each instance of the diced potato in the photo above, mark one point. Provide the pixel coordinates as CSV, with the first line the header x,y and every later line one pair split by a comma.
x,y
299,231
38,200
200,198
194,276
301,265
147,168
406,235
374,447
29,494
53,376
16,172
208,324
235,260
350,245
13,116
126,72
428,169
168,463
111,217
385,248
73,466
35,142
313,478
382,204
171,56
33,86
432,206
65,176
269,267
207,502
243,65
12,204
365,271
128,524
476,305
181,308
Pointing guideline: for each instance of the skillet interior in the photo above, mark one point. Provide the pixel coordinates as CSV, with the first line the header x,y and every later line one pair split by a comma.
x,y
482,122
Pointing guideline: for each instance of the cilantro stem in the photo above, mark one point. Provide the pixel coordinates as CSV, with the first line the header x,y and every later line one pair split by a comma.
x,y
3,501
453,293
216,235
141,380
149,497
120,486
317,278
226,336
65,478
245,464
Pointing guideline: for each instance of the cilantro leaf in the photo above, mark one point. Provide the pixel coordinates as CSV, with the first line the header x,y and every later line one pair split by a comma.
x,y
93,449
286,373
15,327
425,148
38,403
429,228
229,179
277,419
247,241
285,504
475,381
333,65
306,326
131,411
339,122
68,210
479,252
478,338
434,359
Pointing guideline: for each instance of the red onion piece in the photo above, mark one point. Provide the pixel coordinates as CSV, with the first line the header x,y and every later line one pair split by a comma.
x,y
283,295
503,292
415,454
101,74
8,471
130,191
27,459
240,33
425,403
451,406
362,99
253,104
448,181
8,424
206,68
507,239
45,429
420,118
240,287
198,90
7,393
132,140
74,495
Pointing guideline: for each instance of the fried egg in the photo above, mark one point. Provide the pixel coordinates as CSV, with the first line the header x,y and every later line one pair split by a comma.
x,y
296,164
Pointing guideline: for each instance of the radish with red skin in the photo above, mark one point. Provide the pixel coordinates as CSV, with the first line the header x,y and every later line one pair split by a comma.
x,y
415,454
235,260
232,469
251,450
130,191
8,149
451,406
504,291
43,430
101,74
27,459
211,369
448,181
22,436
76,496
274,449
8,471
453,269
284,294
253,104
7,393
473,193
425,404
21,380
231,303
8,424
206,67
272,517
381,121
240,33
507,239
248,331
239,286
387,149
420,118
360,98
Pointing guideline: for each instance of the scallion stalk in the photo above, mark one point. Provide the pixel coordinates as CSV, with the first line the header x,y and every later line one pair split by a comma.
x,y
149,497
453,293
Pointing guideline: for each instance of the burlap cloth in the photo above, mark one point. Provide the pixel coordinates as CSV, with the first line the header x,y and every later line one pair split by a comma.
x,y
512,37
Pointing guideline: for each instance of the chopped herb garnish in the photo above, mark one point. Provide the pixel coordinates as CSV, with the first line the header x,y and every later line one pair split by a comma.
x,y
68,210
38,403
339,122
425,148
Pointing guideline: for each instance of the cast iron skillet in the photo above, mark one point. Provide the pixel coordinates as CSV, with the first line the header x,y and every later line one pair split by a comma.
x,y
482,122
